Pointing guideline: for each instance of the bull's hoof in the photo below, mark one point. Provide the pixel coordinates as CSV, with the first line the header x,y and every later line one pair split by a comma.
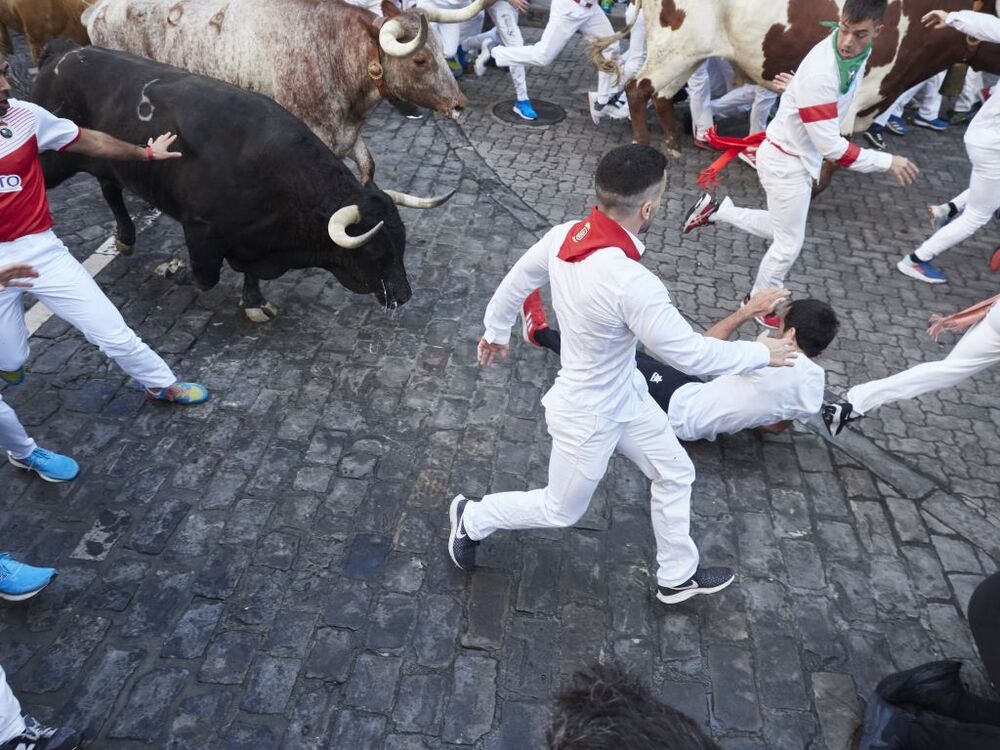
x,y
122,248
673,153
261,314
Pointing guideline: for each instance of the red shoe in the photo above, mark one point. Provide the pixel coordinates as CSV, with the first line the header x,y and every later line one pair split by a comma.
x,y
771,320
703,145
699,215
533,317
749,157
995,261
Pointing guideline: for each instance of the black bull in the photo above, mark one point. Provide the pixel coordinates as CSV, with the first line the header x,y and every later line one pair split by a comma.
x,y
254,187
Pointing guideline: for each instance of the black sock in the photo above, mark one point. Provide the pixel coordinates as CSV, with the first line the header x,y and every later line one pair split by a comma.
x,y
952,210
915,259
548,338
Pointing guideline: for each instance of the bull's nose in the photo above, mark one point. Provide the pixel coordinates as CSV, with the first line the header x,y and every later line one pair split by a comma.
x,y
457,110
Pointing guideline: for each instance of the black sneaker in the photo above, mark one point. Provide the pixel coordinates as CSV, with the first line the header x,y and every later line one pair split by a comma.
x,y
875,137
886,727
36,736
704,581
837,415
460,547
935,686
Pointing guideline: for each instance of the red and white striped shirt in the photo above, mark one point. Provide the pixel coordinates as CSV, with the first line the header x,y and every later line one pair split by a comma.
x,y
813,114
26,130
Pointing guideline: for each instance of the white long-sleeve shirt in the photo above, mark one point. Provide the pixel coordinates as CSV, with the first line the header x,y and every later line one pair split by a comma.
x,y
606,303
813,113
984,130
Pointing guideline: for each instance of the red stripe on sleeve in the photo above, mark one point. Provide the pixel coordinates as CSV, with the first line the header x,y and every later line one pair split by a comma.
x,y
75,139
850,156
819,112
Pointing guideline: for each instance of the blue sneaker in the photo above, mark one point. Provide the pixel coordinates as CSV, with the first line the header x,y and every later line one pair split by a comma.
x,y
897,125
924,271
523,108
461,56
19,581
179,393
12,377
874,136
52,467
936,124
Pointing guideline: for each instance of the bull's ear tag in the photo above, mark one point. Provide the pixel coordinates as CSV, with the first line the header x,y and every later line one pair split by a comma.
x,y
375,71
6,132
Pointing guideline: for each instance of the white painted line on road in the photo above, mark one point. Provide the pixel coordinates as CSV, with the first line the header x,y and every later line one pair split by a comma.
x,y
39,314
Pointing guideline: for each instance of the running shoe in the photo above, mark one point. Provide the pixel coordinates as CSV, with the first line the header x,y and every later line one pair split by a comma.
x,y
837,415
461,549
37,736
936,124
897,125
772,320
524,110
179,393
704,581
52,467
615,107
533,318
874,136
455,67
484,56
19,581
960,118
749,157
924,270
12,377
701,214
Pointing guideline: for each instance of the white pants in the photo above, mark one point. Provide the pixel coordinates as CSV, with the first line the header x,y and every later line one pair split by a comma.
x,y
509,35
971,91
565,19
929,93
13,438
755,99
451,34
978,203
11,723
788,185
582,444
65,287
976,350
635,58
710,80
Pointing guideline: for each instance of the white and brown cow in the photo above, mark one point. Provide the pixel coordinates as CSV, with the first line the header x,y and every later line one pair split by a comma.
x,y
325,61
765,37
40,21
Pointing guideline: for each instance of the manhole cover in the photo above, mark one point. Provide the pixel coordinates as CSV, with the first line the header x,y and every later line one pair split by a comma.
x,y
548,113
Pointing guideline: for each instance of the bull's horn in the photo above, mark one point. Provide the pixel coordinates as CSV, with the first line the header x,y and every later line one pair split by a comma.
x,y
392,32
340,221
414,201
438,15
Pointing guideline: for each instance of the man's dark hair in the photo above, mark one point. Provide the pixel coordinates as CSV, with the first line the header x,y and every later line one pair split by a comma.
x,y
857,11
605,709
815,325
627,175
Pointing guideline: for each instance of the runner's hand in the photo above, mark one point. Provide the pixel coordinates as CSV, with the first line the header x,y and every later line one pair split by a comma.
x,y
160,146
782,351
936,19
487,352
13,274
763,303
904,170
521,6
782,81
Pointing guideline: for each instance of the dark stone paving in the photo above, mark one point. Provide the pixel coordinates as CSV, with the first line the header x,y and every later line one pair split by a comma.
x,y
269,571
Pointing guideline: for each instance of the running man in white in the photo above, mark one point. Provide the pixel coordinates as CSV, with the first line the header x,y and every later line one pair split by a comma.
x,y
63,284
766,399
978,349
508,33
566,18
805,131
982,143
929,98
607,301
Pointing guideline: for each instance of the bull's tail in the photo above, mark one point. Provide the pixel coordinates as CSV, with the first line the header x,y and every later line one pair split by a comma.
x,y
597,45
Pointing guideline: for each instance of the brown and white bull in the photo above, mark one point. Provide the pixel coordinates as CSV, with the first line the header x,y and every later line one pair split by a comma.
x,y
763,38
325,61
40,21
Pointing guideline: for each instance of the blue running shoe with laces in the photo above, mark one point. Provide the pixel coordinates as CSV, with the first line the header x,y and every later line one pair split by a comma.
x,y
12,377
936,124
897,125
179,393
52,467
19,581
524,110
922,270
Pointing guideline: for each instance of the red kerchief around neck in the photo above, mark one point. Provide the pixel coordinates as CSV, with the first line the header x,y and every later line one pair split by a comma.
x,y
593,233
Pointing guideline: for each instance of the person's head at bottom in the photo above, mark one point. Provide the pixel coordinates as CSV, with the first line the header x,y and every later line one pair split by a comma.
x,y
629,183
811,324
604,709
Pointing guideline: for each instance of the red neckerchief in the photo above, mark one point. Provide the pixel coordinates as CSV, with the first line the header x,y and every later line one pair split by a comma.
x,y
595,232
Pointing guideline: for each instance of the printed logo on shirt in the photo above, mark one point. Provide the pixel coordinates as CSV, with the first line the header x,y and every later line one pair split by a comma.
x,y
584,231
10,183
656,378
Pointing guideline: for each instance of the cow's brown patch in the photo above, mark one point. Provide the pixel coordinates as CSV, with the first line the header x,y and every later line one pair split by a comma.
x,y
785,46
671,16
885,44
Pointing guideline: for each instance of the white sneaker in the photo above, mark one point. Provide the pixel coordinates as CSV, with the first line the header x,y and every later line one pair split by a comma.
x,y
479,66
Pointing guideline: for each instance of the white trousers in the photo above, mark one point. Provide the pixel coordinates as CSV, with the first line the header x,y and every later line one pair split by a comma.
x,y
971,91
755,99
65,287
711,80
978,203
788,186
13,437
507,33
635,58
11,723
451,34
976,350
566,18
582,444
929,93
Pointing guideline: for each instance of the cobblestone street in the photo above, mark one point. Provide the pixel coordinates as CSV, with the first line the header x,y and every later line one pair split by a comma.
x,y
269,570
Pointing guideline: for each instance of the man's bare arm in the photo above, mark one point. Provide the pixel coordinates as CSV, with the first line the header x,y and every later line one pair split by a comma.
x,y
103,146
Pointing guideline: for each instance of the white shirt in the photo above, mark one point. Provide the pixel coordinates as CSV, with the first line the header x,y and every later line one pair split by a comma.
x,y
726,405
984,130
606,303
813,114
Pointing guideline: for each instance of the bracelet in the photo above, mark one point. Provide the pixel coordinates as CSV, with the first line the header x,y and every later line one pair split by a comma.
x,y
149,153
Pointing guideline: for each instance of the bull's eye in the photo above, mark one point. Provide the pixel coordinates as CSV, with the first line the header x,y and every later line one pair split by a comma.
x,y
420,60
